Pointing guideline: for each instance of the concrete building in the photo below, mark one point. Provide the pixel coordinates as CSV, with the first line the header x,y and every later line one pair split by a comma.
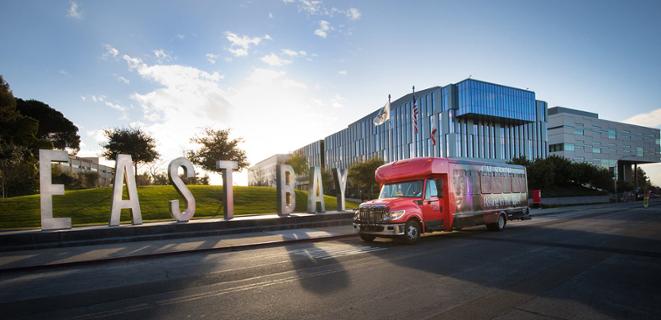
x,y
263,173
472,119
82,165
582,136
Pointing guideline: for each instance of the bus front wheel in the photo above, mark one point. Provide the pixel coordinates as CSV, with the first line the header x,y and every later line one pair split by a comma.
x,y
411,232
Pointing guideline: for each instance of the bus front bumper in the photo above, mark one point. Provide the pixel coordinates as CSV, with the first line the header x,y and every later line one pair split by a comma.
x,y
394,229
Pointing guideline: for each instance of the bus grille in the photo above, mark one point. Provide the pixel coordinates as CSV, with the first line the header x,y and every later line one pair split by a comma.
x,y
372,215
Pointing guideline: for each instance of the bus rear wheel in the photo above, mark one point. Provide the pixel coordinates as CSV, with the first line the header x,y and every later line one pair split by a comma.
x,y
498,225
367,237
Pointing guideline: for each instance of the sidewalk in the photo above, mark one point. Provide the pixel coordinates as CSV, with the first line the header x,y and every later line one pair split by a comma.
x,y
35,258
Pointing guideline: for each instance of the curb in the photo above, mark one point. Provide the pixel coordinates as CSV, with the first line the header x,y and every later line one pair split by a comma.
x,y
104,235
240,247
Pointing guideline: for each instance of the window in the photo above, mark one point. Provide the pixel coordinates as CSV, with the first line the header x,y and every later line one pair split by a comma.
x,y
486,181
411,189
596,150
556,147
639,152
569,147
579,132
612,134
431,191
507,183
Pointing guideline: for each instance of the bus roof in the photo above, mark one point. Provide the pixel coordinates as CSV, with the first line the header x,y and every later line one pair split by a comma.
x,y
416,168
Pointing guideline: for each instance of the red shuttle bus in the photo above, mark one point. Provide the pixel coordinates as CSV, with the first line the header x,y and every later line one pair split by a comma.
x,y
439,194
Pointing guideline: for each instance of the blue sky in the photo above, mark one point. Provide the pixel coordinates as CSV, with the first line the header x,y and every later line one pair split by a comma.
x,y
286,73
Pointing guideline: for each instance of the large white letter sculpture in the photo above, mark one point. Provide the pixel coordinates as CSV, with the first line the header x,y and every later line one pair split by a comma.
x,y
315,191
340,177
47,190
124,167
228,196
175,179
286,181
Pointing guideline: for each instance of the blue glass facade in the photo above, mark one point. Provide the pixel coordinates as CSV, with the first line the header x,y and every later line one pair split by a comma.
x,y
487,99
473,120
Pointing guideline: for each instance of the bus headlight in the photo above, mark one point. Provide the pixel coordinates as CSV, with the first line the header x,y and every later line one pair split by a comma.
x,y
394,215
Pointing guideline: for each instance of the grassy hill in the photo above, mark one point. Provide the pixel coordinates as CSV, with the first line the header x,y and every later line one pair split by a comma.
x,y
92,206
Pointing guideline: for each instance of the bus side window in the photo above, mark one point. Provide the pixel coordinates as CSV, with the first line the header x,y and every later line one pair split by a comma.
x,y
431,189
439,187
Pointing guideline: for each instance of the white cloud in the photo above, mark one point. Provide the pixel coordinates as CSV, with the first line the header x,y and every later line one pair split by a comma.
x,y
317,8
259,108
110,51
294,53
74,10
648,119
353,14
98,136
102,99
324,29
337,101
180,36
274,60
122,79
186,100
162,56
342,72
312,7
212,58
239,45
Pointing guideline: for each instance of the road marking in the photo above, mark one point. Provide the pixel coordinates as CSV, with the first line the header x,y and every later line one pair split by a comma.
x,y
318,253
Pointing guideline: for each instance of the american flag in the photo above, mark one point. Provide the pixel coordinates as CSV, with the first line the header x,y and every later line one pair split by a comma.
x,y
415,113
432,135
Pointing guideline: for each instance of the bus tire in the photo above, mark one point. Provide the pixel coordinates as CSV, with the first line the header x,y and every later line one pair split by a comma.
x,y
367,237
411,232
499,225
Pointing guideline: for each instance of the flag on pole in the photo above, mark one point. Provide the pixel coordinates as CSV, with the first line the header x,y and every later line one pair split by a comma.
x,y
383,115
432,133
414,114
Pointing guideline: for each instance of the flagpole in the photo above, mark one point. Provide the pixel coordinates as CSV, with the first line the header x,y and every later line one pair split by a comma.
x,y
413,133
389,134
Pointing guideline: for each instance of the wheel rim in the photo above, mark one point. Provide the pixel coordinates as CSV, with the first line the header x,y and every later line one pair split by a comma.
x,y
501,222
412,232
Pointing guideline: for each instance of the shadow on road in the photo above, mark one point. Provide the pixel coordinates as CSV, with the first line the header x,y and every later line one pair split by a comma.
x,y
311,262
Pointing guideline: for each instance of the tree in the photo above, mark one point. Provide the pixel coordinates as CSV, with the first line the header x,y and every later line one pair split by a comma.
x,y
216,145
258,178
361,178
299,163
140,145
53,126
18,169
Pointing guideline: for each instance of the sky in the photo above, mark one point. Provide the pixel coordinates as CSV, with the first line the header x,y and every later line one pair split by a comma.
x,y
282,74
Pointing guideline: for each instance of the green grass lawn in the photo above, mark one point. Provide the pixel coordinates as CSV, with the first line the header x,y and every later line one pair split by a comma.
x,y
92,206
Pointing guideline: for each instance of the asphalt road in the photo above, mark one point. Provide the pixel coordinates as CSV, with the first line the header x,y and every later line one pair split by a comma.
x,y
584,264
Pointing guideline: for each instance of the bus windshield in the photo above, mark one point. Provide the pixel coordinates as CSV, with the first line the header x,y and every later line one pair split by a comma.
x,y
408,189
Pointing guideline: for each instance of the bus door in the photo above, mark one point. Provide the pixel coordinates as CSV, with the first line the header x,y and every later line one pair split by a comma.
x,y
433,203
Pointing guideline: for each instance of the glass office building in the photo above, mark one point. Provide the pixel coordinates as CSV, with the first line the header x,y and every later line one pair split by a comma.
x,y
472,119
